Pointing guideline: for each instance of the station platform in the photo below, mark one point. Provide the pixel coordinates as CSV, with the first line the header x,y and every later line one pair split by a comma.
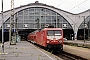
x,y
25,51
79,43
79,51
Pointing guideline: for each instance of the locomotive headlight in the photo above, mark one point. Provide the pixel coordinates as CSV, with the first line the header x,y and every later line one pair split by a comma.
x,y
47,41
60,41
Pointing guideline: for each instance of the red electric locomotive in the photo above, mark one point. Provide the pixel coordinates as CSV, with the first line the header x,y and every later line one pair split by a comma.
x,y
49,38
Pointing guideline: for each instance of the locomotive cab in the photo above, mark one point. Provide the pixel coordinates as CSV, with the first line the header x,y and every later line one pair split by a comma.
x,y
55,39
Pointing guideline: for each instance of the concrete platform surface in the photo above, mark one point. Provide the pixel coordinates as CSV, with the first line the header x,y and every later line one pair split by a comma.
x,y
79,51
25,51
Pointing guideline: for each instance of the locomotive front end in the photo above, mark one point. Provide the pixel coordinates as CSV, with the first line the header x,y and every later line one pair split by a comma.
x,y
55,39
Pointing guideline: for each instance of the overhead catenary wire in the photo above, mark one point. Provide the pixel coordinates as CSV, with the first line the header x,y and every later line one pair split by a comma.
x,y
61,3
78,5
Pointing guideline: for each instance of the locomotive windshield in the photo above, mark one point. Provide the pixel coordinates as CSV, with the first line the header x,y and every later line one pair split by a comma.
x,y
53,32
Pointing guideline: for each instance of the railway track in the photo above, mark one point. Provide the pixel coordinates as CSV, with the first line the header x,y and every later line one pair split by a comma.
x,y
68,56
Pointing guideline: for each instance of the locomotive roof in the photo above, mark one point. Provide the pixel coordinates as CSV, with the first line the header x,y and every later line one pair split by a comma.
x,y
52,29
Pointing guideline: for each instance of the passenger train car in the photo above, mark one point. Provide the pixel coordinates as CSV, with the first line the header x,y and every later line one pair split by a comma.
x,y
51,38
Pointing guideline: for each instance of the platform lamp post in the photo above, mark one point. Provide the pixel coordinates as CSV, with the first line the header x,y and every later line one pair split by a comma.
x,y
88,29
74,32
2,30
84,28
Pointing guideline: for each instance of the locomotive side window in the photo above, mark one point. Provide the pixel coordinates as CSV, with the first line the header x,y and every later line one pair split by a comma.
x,y
53,32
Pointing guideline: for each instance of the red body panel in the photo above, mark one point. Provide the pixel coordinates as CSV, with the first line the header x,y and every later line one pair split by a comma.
x,y
41,38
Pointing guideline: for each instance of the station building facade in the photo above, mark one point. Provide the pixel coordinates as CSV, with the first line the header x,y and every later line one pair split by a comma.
x,y
36,15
